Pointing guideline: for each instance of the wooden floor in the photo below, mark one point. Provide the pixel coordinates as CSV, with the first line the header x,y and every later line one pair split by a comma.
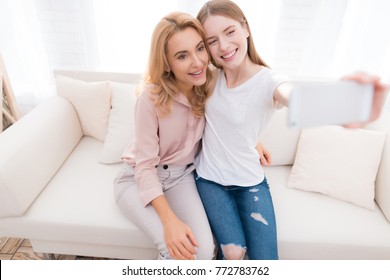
x,y
20,249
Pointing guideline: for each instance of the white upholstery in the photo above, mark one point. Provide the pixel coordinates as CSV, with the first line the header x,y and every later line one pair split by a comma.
x,y
82,208
32,150
60,197
382,185
315,226
339,162
280,140
91,101
120,123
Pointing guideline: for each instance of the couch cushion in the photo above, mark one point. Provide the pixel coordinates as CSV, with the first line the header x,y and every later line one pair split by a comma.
x,y
280,140
314,226
338,162
91,101
382,184
32,150
78,207
120,122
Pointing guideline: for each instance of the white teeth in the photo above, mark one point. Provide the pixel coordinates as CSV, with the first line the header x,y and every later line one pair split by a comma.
x,y
197,73
229,55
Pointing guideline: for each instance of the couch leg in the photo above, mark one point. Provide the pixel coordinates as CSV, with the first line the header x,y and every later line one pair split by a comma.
x,y
49,256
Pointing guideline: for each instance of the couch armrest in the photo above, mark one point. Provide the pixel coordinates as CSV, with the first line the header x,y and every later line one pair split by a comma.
x,y
382,184
32,150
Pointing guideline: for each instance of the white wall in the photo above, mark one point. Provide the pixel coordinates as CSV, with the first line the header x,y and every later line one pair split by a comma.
x,y
68,29
296,37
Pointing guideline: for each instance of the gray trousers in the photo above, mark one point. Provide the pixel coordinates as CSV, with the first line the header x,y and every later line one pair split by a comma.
x,y
180,191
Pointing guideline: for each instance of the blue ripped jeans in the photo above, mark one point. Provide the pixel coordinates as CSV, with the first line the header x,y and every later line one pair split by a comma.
x,y
242,219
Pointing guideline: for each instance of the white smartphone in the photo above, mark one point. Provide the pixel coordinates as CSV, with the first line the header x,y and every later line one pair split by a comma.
x,y
315,103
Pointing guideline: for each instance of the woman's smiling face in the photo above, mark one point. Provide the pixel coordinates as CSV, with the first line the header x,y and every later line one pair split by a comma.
x,y
188,58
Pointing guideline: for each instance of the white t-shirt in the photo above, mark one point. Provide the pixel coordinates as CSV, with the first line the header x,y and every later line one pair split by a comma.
x,y
234,119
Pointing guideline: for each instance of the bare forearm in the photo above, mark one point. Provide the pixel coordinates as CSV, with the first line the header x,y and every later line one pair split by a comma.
x,y
178,236
282,93
164,211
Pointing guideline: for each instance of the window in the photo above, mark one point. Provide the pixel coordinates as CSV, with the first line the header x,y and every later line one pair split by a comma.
x,y
301,38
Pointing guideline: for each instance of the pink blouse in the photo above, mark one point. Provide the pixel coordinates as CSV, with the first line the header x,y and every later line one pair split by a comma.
x,y
173,139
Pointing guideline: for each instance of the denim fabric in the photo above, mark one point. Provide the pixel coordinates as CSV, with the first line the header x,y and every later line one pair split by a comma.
x,y
242,216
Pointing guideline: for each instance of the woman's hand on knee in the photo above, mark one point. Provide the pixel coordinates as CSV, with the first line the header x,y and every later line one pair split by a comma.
x,y
180,240
178,236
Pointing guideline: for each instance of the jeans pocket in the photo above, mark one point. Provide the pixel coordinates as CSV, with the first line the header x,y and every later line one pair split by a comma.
x,y
264,183
124,174
123,181
201,179
163,175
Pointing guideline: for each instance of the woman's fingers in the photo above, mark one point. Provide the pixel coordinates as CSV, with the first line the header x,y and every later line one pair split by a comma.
x,y
184,248
181,252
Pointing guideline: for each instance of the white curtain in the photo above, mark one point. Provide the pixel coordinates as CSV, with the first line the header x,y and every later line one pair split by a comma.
x,y
23,51
322,38
339,37
364,41
343,36
124,29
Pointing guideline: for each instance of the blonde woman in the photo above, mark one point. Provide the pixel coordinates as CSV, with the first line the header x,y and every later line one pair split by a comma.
x,y
155,188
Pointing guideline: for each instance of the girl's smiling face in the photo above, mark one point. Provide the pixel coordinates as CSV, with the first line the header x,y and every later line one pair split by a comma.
x,y
227,40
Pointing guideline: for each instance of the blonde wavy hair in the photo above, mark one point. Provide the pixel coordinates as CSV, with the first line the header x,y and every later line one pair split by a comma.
x,y
162,83
230,9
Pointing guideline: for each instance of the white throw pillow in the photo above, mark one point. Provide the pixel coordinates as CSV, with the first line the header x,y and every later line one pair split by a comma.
x,y
120,123
279,139
91,101
338,162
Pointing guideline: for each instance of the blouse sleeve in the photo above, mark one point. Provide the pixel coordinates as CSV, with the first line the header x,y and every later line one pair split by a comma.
x,y
146,149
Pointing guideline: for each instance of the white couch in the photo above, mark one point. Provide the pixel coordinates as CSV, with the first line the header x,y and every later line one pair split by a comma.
x,y
55,191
